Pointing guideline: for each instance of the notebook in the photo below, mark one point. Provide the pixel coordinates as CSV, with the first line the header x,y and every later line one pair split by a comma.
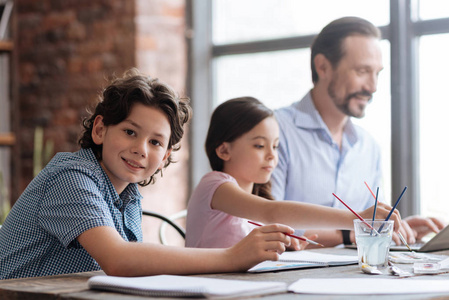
x,y
303,259
439,242
185,286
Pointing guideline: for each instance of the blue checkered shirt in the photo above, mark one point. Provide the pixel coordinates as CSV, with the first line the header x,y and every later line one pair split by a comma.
x,y
71,195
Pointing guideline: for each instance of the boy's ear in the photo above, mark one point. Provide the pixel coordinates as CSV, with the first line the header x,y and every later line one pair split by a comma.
x,y
222,151
98,130
322,65
162,164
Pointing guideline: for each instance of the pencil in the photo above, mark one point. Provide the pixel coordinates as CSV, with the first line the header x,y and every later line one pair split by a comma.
x,y
394,207
404,241
370,190
356,214
293,236
375,208
400,235
375,204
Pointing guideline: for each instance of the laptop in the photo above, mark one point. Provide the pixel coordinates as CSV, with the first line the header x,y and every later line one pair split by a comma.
x,y
439,242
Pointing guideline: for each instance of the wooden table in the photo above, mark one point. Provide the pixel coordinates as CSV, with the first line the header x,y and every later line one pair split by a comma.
x,y
74,286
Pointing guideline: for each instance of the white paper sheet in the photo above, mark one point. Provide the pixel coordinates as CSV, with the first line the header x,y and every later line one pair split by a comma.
x,y
365,286
310,256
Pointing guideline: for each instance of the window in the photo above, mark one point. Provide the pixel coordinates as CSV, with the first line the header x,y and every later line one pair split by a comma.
x,y
434,107
277,78
433,9
251,46
236,21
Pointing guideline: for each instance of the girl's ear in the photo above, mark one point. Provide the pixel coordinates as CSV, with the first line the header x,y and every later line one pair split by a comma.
x,y
98,130
223,152
162,164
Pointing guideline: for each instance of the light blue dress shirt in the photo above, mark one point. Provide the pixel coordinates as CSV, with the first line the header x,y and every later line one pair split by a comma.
x,y
312,166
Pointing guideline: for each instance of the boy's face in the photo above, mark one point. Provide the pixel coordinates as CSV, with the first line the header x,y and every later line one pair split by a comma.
x,y
136,147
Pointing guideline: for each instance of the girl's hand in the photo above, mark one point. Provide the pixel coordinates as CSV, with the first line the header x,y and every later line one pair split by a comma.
x,y
262,243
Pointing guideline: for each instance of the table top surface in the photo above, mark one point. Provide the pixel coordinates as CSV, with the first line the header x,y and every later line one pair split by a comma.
x,y
74,286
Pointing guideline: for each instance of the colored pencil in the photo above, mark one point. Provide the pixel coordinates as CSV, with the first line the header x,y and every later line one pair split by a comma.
x,y
404,241
293,236
375,208
356,214
370,190
375,204
400,234
394,207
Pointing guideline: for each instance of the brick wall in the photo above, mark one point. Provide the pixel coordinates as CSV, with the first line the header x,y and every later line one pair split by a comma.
x,y
66,49
161,51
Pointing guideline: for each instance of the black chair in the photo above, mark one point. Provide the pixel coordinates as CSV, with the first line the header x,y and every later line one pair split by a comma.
x,y
168,220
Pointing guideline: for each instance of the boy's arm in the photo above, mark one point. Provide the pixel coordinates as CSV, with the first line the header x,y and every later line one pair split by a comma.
x,y
120,258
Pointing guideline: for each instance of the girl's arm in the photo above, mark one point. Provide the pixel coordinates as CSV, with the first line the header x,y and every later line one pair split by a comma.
x,y
231,199
120,258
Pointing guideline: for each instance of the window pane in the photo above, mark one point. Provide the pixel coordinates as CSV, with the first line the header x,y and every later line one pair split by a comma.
x,y
434,107
241,21
276,78
433,9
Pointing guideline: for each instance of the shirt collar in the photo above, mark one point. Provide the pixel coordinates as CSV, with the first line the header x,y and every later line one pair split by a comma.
x,y
308,117
130,192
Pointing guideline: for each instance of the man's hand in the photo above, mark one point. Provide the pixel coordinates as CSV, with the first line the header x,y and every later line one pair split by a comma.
x,y
421,226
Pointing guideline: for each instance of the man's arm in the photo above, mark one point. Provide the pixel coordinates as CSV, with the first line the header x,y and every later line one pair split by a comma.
x,y
329,237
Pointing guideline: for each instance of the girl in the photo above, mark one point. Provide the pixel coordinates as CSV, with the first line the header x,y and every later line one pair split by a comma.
x,y
82,212
241,145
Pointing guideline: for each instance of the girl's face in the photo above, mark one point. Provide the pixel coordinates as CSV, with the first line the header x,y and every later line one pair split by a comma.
x,y
136,147
253,156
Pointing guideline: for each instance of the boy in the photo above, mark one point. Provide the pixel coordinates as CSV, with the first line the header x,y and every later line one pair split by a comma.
x,y
82,212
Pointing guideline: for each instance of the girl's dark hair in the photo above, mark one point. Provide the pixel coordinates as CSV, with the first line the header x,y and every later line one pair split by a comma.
x,y
118,98
229,121
330,40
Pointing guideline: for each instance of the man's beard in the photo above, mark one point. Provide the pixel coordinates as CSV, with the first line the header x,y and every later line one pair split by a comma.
x,y
343,105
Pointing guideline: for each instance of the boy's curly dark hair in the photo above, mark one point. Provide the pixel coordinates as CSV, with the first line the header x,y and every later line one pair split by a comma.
x,y
118,98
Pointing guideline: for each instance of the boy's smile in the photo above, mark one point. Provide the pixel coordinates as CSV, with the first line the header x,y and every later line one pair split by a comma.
x,y
135,148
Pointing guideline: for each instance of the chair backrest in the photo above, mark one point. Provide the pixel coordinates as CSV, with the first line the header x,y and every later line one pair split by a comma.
x,y
168,220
